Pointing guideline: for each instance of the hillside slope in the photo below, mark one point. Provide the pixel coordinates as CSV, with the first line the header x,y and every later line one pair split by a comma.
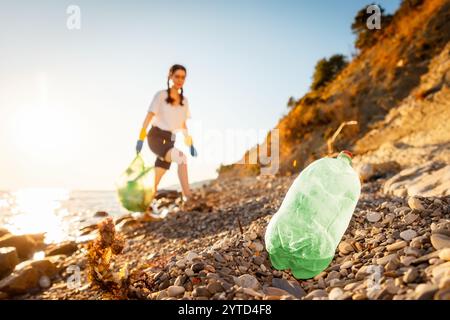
x,y
376,82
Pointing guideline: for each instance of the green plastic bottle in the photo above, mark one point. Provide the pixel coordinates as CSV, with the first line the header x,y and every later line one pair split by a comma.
x,y
307,228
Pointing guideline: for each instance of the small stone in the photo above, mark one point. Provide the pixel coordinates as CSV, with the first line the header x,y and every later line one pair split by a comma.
x,y
425,291
364,271
319,293
247,281
336,283
101,214
410,251
373,216
402,210
24,244
252,292
416,243
435,261
190,256
336,294
189,272
8,260
197,267
210,268
440,241
180,264
407,260
441,273
161,294
377,293
290,286
4,231
333,275
397,246
444,254
444,231
201,291
443,294
321,283
410,275
180,280
408,235
359,296
272,291
410,218
258,260
67,248
252,236
415,203
358,246
391,265
26,276
345,247
242,269
391,287
219,257
226,286
258,246
175,291
320,275
353,286
214,287
164,285
388,218
346,265
425,258
384,260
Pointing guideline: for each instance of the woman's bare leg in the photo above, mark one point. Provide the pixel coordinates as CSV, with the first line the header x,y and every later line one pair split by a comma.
x,y
182,169
184,181
159,172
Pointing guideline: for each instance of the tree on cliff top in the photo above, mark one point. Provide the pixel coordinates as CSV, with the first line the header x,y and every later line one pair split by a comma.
x,y
366,37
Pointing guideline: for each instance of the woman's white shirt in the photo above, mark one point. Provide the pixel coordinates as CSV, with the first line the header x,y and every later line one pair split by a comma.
x,y
167,116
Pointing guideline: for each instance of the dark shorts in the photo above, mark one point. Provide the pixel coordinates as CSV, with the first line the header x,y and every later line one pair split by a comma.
x,y
160,141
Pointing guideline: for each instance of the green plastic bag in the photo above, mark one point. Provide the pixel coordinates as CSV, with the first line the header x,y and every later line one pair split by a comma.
x,y
135,186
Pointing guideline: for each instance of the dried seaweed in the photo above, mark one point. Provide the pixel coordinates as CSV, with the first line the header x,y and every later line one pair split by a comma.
x,y
101,252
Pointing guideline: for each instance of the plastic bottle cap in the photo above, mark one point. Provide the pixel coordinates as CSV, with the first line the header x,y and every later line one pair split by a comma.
x,y
347,153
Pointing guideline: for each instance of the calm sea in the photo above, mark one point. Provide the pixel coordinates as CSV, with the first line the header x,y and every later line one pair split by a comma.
x,y
60,213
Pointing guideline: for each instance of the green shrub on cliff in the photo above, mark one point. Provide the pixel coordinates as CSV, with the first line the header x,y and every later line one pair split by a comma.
x,y
327,69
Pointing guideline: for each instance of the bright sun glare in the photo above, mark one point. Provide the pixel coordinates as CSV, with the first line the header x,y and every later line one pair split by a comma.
x,y
40,128
38,210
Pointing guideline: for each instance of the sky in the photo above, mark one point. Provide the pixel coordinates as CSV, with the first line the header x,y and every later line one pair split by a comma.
x,y
73,100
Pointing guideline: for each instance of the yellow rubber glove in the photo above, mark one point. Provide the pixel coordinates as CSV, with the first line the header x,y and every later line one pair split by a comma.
x,y
142,134
140,142
188,140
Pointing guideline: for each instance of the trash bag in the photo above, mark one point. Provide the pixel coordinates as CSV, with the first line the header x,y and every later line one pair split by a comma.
x,y
135,186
